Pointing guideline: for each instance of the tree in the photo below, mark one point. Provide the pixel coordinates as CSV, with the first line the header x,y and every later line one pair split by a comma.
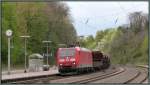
x,y
42,21
137,21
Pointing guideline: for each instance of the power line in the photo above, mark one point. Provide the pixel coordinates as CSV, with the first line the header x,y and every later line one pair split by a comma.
x,y
88,25
102,17
93,26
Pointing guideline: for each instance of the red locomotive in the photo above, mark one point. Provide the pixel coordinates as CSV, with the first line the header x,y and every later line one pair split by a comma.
x,y
76,59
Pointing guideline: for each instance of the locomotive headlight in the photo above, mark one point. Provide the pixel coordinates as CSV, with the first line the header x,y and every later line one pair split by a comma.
x,y
74,63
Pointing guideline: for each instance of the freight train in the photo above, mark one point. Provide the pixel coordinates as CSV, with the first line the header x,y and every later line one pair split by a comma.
x,y
79,60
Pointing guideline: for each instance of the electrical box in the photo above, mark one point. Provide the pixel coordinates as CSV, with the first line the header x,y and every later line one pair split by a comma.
x,y
35,62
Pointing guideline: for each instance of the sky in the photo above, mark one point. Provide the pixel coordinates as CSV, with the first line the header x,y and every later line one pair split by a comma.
x,y
90,16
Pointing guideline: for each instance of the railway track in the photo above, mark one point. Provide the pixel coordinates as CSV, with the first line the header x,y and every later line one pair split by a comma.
x,y
47,79
131,75
100,77
142,77
43,79
80,78
117,75
124,75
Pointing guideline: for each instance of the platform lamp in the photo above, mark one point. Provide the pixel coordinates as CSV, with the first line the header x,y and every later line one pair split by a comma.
x,y
25,50
47,42
9,34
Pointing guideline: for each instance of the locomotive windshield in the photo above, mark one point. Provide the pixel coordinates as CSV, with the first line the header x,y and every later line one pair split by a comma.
x,y
67,52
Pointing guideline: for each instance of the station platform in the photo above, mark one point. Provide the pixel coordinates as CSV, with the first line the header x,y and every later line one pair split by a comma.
x,y
21,75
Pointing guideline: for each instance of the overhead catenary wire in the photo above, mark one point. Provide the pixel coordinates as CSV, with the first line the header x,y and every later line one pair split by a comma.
x,y
116,19
87,25
90,26
87,21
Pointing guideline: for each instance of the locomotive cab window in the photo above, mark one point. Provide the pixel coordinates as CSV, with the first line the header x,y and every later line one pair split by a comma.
x,y
67,53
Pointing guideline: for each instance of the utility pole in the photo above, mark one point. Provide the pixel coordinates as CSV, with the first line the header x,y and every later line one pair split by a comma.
x,y
9,34
25,51
80,38
46,42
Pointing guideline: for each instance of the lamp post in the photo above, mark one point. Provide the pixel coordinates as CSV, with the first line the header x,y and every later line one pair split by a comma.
x,y
47,48
25,50
9,34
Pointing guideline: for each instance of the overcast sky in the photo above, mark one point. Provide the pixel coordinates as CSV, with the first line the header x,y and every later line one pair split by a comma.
x,y
88,16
